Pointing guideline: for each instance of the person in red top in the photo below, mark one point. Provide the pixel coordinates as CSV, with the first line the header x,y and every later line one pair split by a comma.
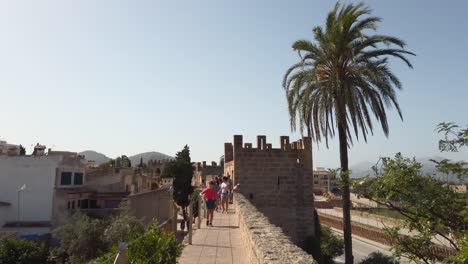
x,y
210,202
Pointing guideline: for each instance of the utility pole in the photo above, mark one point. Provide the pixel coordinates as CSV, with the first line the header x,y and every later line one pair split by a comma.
x,y
18,218
22,188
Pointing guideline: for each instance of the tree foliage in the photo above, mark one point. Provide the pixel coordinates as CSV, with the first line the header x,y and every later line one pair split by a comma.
x,y
344,79
155,247
81,238
379,258
150,247
181,170
325,246
430,206
123,228
22,251
454,139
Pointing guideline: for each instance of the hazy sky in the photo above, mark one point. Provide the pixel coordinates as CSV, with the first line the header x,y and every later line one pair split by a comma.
x,y
123,77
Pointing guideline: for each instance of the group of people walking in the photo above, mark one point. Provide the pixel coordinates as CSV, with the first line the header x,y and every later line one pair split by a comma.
x,y
218,193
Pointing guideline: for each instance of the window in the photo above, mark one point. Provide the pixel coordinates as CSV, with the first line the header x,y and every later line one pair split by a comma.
x,y
66,178
84,204
316,182
78,180
112,203
93,204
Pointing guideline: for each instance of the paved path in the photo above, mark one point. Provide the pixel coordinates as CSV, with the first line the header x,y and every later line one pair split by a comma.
x,y
220,244
363,247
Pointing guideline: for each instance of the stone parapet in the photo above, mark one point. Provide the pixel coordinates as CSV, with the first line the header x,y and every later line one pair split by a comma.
x,y
266,243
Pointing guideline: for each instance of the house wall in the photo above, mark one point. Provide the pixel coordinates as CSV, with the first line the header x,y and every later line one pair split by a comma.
x,y
38,173
321,178
149,205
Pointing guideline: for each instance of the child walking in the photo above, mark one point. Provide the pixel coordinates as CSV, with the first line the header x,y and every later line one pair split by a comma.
x,y
224,191
210,202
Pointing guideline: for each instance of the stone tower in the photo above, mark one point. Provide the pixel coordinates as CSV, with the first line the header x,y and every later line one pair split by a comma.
x,y
278,181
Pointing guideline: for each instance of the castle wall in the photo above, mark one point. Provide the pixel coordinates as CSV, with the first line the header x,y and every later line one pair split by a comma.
x,y
278,181
203,172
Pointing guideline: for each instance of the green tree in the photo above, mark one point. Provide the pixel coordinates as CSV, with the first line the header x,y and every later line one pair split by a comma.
x,y
126,162
81,238
454,139
123,228
22,251
181,170
342,80
379,258
324,247
155,247
428,205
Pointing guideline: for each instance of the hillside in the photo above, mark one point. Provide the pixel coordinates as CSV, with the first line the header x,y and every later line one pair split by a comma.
x,y
96,156
100,158
152,155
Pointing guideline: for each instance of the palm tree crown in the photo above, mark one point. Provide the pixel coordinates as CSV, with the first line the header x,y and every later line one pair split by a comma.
x,y
344,75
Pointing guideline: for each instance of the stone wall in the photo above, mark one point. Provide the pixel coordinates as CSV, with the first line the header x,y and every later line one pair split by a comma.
x,y
265,242
278,181
328,204
202,170
155,204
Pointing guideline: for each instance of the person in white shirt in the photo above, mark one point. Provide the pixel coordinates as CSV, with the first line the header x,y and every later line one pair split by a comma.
x,y
224,192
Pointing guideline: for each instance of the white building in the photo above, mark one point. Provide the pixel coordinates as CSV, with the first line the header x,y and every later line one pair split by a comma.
x,y
40,175
323,179
37,173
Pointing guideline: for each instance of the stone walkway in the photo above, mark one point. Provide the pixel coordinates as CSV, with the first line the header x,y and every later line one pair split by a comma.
x,y
220,244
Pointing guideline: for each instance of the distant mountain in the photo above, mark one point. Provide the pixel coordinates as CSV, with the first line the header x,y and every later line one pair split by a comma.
x,y
363,169
99,158
152,155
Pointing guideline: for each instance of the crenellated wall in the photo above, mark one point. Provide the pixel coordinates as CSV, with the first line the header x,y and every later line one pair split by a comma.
x,y
277,181
204,172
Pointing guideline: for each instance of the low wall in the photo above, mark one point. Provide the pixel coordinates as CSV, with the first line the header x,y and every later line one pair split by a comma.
x,y
149,205
372,233
328,204
265,242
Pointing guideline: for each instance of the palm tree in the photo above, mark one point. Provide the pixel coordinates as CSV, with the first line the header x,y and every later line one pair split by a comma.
x,y
344,80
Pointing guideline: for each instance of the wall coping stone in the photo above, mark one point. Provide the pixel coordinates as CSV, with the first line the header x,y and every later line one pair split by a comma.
x,y
266,242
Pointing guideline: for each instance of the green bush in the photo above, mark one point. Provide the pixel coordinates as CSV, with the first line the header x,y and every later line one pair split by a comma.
x,y
155,247
123,228
21,251
81,238
106,258
325,247
379,258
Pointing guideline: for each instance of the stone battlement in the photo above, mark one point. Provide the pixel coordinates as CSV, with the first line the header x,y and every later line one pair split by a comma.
x,y
158,162
263,145
278,181
203,165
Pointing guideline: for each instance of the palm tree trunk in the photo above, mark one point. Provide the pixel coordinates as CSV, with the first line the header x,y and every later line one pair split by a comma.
x,y
346,199
309,134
